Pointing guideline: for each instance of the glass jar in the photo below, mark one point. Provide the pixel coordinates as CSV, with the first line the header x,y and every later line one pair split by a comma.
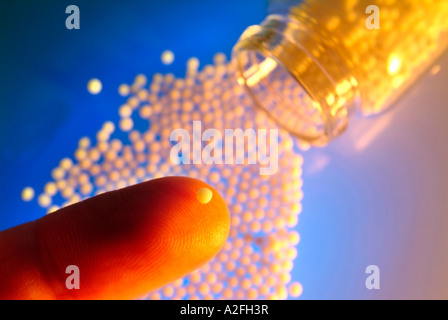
x,y
323,61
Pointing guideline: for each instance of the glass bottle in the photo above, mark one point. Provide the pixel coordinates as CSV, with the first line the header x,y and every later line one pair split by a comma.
x,y
314,67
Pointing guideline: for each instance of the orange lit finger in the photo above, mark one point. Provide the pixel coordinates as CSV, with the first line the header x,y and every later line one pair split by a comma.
x,y
125,242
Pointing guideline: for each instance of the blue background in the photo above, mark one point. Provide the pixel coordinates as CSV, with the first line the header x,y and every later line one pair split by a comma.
x,y
45,107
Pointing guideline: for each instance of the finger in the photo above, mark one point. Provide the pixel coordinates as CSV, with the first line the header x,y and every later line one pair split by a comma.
x,y
125,243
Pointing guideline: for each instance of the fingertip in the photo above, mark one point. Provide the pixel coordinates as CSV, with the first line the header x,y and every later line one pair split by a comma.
x,y
184,228
131,241
197,220
195,210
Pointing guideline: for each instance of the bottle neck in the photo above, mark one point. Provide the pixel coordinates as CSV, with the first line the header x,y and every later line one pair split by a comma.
x,y
295,74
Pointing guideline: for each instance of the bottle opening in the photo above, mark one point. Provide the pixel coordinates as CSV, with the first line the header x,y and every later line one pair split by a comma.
x,y
278,93
303,95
